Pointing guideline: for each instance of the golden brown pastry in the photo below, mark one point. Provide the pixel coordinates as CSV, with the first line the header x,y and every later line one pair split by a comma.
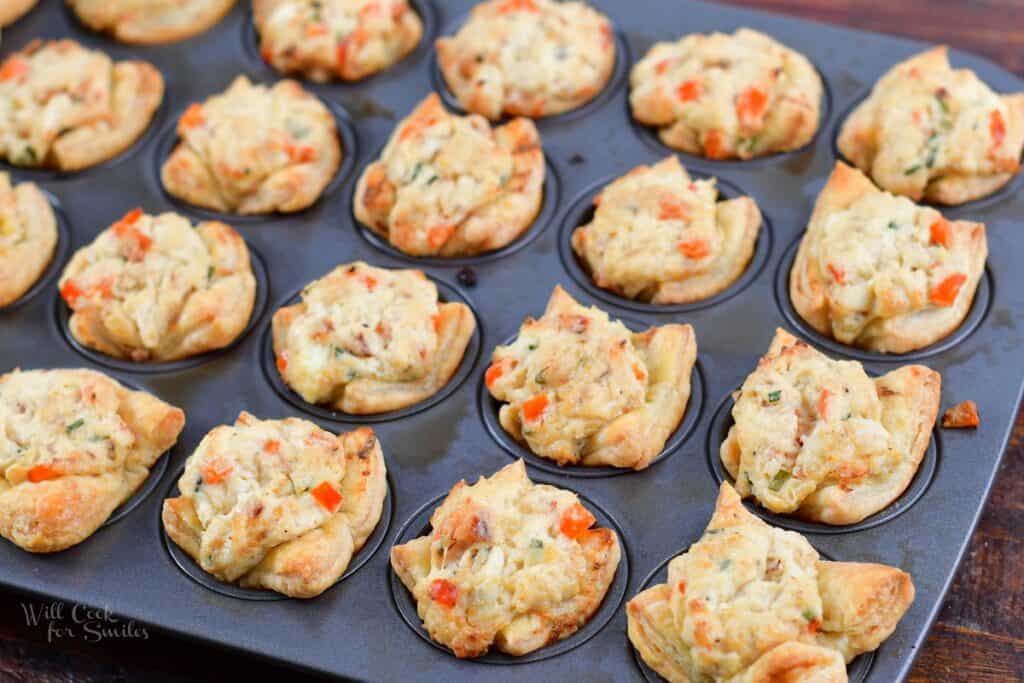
x,y
528,57
930,132
278,504
659,236
325,39
150,22
820,439
65,107
581,389
879,272
155,288
28,237
749,603
254,149
449,185
508,564
725,96
369,340
12,10
74,445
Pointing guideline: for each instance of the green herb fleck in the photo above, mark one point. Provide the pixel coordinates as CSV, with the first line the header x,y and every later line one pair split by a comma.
x,y
536,543
893,225
75,425
297,129
778,480
933,150
351,375
724,564
338,352
540,377
209,274
912,170
532,347
809,615
774,396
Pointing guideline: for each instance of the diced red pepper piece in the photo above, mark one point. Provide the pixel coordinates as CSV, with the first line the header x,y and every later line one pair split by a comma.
x,y
14,68
439,234
823,402
694,249
71,292
444,592
996,127
192,117
751,103
215,472
509,6
533,408
42,473
327,496
673,209
942,233
714,145
575,521
690,90
944,293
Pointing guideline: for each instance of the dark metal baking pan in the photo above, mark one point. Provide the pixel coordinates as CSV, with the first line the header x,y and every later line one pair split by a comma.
x,y
356,629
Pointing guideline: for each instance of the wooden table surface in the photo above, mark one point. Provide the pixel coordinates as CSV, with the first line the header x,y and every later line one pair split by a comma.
x,y
979,636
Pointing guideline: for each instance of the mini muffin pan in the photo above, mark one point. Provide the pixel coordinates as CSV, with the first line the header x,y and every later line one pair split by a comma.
x,y
365,627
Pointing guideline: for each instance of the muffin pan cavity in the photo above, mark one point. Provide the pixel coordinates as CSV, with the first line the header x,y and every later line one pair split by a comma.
x,y
419,525
721,421
545,216
168,140
489,407
857,670
581,212
446,292
62,316
975,316
188,566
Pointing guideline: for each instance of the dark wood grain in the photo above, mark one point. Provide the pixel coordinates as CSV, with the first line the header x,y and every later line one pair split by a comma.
x,y
979,637
987,27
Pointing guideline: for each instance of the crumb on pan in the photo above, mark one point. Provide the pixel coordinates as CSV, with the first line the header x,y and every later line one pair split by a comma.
x,y
963,415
